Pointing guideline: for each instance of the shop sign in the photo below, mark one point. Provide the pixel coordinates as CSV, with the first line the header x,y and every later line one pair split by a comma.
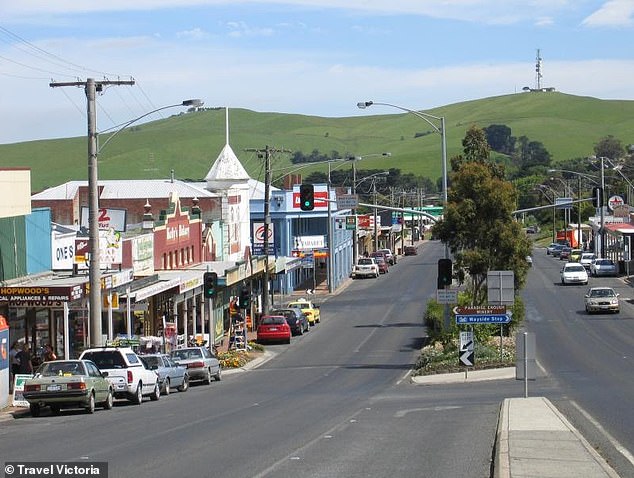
x,y
40,296
143,254
309,242
108,218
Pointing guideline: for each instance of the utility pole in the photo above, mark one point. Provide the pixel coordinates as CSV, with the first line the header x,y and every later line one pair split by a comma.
x,y
266,154
92,87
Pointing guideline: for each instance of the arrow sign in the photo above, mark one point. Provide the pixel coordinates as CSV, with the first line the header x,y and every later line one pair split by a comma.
x,y
483,319
467,358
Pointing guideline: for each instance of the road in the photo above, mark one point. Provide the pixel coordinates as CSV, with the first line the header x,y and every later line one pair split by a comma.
x,y
336,402
588,358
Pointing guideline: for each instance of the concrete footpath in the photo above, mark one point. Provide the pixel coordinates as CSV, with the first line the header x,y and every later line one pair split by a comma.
x,y
533,438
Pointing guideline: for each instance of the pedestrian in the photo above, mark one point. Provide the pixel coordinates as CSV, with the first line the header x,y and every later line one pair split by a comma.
x,y
14,361
48,354
24,356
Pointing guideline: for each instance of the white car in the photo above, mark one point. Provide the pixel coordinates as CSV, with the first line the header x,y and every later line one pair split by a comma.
x,y
366,267
586,259
601,299
574,273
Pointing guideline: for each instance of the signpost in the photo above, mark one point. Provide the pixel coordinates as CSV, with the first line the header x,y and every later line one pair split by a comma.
x,y
467,355
347,201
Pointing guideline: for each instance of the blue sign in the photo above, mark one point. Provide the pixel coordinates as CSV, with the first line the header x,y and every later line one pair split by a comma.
x,y
483,319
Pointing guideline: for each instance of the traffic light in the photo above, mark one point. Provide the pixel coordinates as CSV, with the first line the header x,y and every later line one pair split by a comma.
x,y
444,273
307,197
245,299
210,284
597,197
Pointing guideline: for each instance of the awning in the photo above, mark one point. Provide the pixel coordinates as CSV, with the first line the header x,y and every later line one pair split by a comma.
x,y
153,289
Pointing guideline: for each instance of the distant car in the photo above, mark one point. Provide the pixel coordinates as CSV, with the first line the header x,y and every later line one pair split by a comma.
x,y
68,384
366,267
602,299
391,258
573,273
171,375
575,255
556,250
295,318
586,259
384,268
380,253
313,314
200,362
603,267
273,328
564,253
550,248
410,251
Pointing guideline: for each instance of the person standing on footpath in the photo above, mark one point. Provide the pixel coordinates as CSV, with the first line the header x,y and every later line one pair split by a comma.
x,y
48,354
24,356
14,361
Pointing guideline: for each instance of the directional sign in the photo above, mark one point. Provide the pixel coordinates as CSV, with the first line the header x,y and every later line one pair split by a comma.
x,y
483,319
466,356
479,309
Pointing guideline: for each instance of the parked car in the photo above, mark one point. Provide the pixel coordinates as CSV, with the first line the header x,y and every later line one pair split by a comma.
x,y
171,375
313,314
201,364
295,318
273,328
384,268
586,259
575,255
366,267
68,384
603,267
380,253
391,258
557,249
573,273
602,299
564,253
550,248
410,251
127,374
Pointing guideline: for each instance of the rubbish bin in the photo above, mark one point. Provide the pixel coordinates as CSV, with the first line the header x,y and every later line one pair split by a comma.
x,y
399,251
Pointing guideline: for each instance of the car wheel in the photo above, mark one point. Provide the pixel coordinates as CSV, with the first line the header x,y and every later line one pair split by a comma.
x,y
35,410
185,385
218,375
107,405
90,408
166,386
207,380
55,409
138,395
156,393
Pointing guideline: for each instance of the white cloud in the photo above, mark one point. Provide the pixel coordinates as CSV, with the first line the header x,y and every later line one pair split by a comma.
x,y
241,29
612,13
193,34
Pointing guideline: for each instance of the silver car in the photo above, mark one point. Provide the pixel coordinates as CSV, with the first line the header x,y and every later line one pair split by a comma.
x,y
171,375
200,362
603,267
601,299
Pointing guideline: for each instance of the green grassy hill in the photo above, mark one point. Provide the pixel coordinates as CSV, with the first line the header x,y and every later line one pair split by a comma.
x,y
567,125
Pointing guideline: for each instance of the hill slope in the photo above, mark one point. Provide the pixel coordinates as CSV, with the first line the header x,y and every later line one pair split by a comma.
x,y
567,125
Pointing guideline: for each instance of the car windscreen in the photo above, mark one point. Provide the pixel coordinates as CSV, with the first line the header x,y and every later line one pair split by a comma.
x,y
151,361
273,320
105,359
185,354
602,293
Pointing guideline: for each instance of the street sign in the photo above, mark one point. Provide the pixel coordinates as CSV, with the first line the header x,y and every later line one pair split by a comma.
x,y
466,355
347,201
351,222
563,203
446,296
483,319
479,309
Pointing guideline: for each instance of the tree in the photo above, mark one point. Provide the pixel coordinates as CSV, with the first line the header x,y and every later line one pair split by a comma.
x,y
609,147
499,138
478,225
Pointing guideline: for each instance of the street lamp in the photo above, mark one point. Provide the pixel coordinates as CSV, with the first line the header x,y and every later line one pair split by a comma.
x,y
94,272
540,188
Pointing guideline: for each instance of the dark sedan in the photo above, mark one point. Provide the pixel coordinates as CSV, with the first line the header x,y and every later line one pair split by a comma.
x,y
295,318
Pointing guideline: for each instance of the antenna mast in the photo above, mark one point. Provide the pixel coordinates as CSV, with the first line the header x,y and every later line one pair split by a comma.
x,y
538,71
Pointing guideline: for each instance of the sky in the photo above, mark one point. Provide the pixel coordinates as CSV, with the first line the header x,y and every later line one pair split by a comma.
x,y
312,57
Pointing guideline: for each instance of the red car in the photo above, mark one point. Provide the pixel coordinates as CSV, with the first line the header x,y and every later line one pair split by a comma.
x,y
274,328
384,268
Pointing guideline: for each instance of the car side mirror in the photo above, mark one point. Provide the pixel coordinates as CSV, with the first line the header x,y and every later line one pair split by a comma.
x,y
104,374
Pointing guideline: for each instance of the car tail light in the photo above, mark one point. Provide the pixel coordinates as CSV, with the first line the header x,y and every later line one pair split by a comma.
x,y
195,365
76,386
129,376
31,388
